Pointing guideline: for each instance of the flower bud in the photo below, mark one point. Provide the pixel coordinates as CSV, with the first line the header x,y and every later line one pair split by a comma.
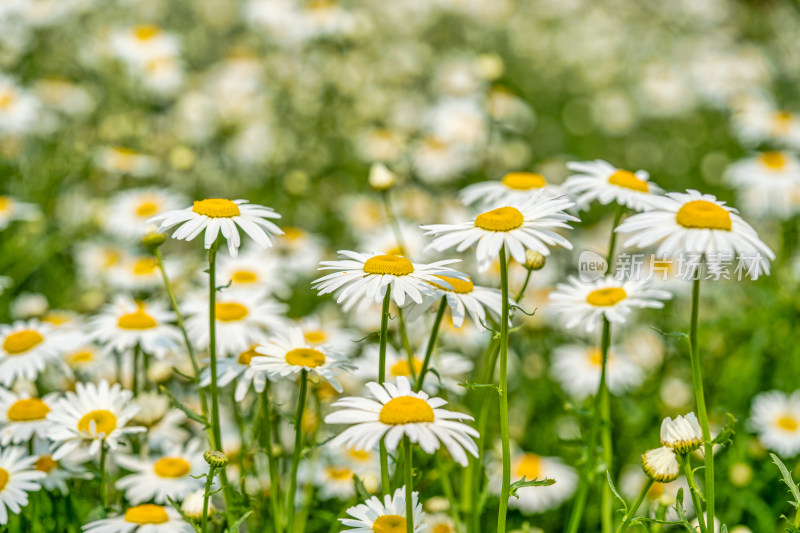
x,y
381,178
682,434
215,458
661,465
534,260
152,240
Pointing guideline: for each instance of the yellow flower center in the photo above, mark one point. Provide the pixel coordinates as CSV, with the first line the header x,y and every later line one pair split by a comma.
x,y
606,297
358,455
246,356
5,201
244,276
146,209
315,336
628,180
3,478
57,319
391,265
305,357
781,121
139,319
146,514
144,266
105,422
402,368
595,357
701,214
110,257
22,341
145,32
788,422
529,465
406,410
442,528
523,181
81,357
500,219
45,463
389,523
774,160
172,467
216,208
292,234
339,474
27,410
460,286
230,311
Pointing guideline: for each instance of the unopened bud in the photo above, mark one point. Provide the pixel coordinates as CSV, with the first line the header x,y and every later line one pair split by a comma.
x,y
215,458
534,260
661,465
152,240
381,178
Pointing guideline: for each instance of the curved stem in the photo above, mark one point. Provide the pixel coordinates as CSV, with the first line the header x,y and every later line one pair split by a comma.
x,y
274,479
409,486
384,456
298,444
503,391
635,507
431,344
693,490
702,415
206,496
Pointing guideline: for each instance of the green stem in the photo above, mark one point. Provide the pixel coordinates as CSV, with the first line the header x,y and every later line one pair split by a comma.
x,y
103,491
693,490
274,479
398,234
503,391
206,496
635,507
447,488
409,485
607,515
613,239
384,455
298,445
406,344
702,415
431,343
137,352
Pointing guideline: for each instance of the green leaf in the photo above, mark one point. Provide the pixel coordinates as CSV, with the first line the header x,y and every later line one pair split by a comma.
x,y
361,490
187,377
617,494
200,419
725,436
678,334
235,527
529,483
472,386
175,505
787,479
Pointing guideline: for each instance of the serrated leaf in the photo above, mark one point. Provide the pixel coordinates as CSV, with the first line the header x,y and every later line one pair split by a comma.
x,y
529,483
175,505
725,436
787,479
200,419
616,493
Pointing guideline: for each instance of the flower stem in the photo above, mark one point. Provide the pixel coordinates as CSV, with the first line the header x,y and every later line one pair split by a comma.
x,y
409,487
431,343
695,492
206,496
298,445
103,491
447,488
606,516
137,352
274,480
635,507
702,415
384,456
406,344
503,391
613,239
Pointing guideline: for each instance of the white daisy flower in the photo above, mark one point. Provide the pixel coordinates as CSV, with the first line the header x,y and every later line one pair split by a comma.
x,y
193,504
514,188
17,479
578,369
145,518
365,278
96,414
140,273
58,473
401,412
22,417
173,474
121,160
463,297
333,473
11,210
20,111
325,332
683,434
688,223
532,466
124,323
139,45
583,304
218,215
241,319
387,516
288,356
525,226
768,184
129,211
254,270
775,417
759,121
598,180
27,348
240,369
301,252
661,464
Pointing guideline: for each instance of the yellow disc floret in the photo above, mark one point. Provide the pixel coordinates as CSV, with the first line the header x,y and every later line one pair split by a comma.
x,y
788,423
216,208
700,214
391,265
460,286
774,160
628,180
172,467
104,421
146,514
406,410
389,523
402,368
22,341
305,357
529,466
230,311
139,319
500,219
606,297
27,409
523,181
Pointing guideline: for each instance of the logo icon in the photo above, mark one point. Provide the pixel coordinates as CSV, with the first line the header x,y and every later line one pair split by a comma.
x,y
591,266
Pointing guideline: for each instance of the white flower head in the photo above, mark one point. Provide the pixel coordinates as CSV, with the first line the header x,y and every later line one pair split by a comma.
x,y
172,474
387,516
661,464
144,518
531,466
28,347
767,184
125,322
23,417
683,434
515,187
598,180
775,416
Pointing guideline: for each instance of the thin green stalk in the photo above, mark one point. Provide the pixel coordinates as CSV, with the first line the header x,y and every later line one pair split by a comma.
x,y
503,392
447,488
298,445
103,491
607,514
693,490
398,234
406,344
137,352
384,455
206,496
409,485
431,343
613,239
635,507
145,371
274,479
702,415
